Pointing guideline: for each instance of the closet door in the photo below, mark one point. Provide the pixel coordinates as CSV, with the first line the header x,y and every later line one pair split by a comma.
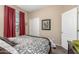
x,y
34,26
69,27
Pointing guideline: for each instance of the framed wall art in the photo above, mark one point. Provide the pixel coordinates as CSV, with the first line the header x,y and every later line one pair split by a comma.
x,y
46,24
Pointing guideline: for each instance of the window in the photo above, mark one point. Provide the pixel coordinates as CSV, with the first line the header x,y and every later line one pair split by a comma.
x,y
17,23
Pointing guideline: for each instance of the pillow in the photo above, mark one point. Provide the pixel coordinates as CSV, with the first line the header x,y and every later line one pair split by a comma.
x,y
8,41
11,38
8,47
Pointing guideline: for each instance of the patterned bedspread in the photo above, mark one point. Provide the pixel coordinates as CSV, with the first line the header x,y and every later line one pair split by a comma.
x,y
31,45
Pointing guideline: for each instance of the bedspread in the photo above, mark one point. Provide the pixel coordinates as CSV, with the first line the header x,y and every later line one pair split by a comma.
x,y
31,45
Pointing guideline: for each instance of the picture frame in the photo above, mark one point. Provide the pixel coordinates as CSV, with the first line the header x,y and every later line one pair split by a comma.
x,y
46,24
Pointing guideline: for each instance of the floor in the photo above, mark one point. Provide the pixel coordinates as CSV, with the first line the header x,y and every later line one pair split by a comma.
x,y
58,50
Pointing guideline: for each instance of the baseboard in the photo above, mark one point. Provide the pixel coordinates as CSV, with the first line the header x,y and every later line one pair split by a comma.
x,y
58,45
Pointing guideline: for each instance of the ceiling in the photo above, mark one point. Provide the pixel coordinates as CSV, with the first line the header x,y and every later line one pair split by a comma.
x,y
31,8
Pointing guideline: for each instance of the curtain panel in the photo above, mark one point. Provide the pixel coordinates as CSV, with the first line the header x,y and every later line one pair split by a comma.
x,y
9,22
22,23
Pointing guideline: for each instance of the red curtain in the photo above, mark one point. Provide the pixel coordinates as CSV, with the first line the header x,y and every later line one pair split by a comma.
x,y
9,22
22,23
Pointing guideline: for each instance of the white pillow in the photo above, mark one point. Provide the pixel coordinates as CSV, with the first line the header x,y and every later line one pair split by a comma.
x,y
8,47
11,38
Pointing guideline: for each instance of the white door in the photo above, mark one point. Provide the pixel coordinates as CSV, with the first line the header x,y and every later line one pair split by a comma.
x,y
69,27
34,26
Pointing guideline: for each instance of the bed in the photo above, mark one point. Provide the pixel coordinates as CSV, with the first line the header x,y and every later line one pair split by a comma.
x,y
26,45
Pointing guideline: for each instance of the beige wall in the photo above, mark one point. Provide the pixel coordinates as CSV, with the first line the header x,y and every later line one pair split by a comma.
x,y
2,18
67,7
54,13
